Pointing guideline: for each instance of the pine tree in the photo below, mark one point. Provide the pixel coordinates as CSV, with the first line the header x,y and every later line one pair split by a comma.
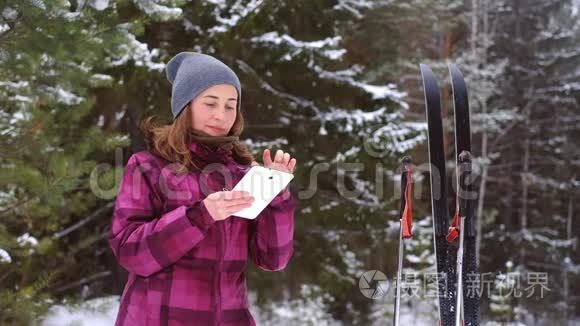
x,y
56,58
535,162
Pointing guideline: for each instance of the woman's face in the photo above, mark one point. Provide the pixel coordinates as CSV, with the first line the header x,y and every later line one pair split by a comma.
x,y
214,110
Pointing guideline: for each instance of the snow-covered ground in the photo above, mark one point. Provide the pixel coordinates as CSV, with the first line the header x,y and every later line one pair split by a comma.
x,y
94,312
103,311
309,310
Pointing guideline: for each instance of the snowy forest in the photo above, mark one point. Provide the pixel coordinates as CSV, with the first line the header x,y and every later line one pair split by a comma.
x,y
337,84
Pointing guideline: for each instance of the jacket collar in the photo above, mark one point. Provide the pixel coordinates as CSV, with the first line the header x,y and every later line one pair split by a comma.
x,y
209,154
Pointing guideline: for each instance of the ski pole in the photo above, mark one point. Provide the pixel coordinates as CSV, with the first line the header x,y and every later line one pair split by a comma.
x,y
464,170
405,229
459,298
399,275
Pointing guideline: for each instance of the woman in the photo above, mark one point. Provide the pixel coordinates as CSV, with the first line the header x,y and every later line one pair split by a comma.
x,y
172,226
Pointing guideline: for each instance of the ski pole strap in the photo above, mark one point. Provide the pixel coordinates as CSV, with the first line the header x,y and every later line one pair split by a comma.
x,y
454,228
408,210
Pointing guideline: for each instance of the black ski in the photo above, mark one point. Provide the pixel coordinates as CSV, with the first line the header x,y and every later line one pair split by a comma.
x,y
445,279
465,198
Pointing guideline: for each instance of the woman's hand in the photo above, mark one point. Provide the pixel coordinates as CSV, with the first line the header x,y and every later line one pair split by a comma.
x,y
223,204
282,161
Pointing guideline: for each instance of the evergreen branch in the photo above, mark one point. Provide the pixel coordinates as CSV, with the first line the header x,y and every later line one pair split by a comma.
x,y
84,221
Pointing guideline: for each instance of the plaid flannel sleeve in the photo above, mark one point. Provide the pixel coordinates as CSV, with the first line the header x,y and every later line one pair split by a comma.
x,y
144,243
271,234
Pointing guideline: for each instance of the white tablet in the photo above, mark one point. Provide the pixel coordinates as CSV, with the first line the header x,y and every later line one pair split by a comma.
x,y
264,184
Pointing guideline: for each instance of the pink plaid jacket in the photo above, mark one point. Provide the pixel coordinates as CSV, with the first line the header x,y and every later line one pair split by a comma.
x,y
184,267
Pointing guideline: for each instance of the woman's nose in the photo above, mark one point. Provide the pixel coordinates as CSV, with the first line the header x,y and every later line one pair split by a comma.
x,y
219,114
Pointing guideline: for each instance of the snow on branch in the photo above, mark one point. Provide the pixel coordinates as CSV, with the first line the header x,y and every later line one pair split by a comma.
x,y
5,257
237,12
61,95
376,91
326,47
354,6
157,9
134,50
398,136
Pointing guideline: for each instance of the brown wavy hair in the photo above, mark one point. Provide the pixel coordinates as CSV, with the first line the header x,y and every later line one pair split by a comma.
x,y
171,141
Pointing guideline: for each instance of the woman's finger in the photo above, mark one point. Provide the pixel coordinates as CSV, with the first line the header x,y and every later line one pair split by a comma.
x,y
236,202
279,156
292,164
286,159
234,195
232,209
266,157
215,195
227,195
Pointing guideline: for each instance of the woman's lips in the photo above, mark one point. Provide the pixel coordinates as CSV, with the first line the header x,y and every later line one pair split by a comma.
x,y
216,129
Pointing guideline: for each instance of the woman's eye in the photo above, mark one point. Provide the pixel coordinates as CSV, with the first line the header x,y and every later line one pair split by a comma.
x,y
213,105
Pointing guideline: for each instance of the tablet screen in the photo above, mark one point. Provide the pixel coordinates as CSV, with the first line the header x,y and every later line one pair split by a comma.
x,y
264,184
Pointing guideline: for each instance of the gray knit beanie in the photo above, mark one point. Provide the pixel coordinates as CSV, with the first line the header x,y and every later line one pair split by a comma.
x,y
191,73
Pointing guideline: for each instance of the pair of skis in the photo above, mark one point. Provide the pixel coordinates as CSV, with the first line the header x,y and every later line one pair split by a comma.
x,y
455,244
